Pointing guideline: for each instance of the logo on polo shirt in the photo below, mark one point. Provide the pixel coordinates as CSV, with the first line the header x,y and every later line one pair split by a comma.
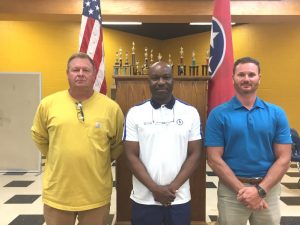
x,y
179,122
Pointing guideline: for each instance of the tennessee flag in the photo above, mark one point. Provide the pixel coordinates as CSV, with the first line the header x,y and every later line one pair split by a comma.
x,y
220,87
91,40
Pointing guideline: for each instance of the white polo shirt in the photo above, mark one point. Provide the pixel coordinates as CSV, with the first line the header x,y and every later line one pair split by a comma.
x,y
163,135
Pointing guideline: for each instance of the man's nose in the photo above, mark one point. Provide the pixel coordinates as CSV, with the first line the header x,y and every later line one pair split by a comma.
x,y
246,77
80,72
161,80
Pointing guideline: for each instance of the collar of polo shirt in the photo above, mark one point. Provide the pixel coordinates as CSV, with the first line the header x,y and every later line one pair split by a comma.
x,y
157,105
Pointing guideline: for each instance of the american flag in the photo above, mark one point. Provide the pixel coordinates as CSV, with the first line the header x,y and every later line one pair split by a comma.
x,y
220,87
91,39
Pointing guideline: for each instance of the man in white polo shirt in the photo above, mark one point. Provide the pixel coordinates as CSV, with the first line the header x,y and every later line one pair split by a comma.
x,y
162,145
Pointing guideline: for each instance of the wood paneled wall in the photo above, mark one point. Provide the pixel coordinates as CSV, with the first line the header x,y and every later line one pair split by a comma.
x,y
135,89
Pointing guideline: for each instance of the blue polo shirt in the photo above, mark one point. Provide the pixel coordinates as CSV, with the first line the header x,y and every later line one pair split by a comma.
x,y
247,135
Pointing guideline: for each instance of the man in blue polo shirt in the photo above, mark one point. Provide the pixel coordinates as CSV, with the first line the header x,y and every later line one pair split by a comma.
x,y
249,148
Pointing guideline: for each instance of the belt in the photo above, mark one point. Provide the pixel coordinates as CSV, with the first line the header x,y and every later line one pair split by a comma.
x,y
250,180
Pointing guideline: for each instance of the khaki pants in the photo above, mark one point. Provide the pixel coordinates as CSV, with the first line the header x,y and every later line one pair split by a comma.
x,y
232,212
96,216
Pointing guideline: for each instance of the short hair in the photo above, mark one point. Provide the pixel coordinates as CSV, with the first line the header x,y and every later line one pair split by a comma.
x,y
80,55
246,60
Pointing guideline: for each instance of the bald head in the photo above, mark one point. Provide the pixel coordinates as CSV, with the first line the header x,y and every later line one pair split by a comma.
x,y
160,66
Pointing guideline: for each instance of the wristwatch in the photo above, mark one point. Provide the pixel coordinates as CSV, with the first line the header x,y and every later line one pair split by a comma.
x,y
261,192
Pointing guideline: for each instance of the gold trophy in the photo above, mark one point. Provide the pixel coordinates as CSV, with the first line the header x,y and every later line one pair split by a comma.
x,y
145,66
151,57
117,64
133,60
133,54
138,72
193,58
159,57
205,66
170,62
207,57
181,66
120,57
193,69
126,65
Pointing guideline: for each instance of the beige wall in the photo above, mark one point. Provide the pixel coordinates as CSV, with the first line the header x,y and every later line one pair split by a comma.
x,y
45,47
277,48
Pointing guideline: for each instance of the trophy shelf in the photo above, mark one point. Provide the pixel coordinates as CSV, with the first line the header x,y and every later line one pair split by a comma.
x,y
142,77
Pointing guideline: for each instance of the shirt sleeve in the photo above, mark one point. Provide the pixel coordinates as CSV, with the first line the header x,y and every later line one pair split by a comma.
x,y
283,133
116,146
214,136
196,129
130,128
39,130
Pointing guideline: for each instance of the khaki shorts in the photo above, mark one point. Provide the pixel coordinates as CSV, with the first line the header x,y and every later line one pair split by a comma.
x,y
233,212
97,216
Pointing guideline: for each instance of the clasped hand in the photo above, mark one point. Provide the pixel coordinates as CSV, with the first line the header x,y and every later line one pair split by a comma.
x,y
250,198
164,194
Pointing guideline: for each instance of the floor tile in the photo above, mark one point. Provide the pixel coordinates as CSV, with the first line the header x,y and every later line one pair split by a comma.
x,y
290,220
22,199
293,165
210,173
28,220
14,173
292,185
291,200
293,174
19,183
23,204
110,219
213,218
210,185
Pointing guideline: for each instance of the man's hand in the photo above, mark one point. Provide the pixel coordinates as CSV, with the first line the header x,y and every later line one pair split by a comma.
x,y
250,198
164,194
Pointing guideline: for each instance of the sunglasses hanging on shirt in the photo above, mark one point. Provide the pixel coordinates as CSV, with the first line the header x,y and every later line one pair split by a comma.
x,y
80,114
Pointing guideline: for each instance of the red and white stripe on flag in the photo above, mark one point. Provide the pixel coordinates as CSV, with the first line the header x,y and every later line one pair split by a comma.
x,y
220,86
91,40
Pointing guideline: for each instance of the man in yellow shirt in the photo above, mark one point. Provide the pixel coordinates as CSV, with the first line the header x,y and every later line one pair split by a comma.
x,y
80,133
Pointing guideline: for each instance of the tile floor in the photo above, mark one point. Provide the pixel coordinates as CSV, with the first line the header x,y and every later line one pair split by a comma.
x,y
21,204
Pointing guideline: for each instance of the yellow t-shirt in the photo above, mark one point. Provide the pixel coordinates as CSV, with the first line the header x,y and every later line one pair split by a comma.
x,y
78,153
